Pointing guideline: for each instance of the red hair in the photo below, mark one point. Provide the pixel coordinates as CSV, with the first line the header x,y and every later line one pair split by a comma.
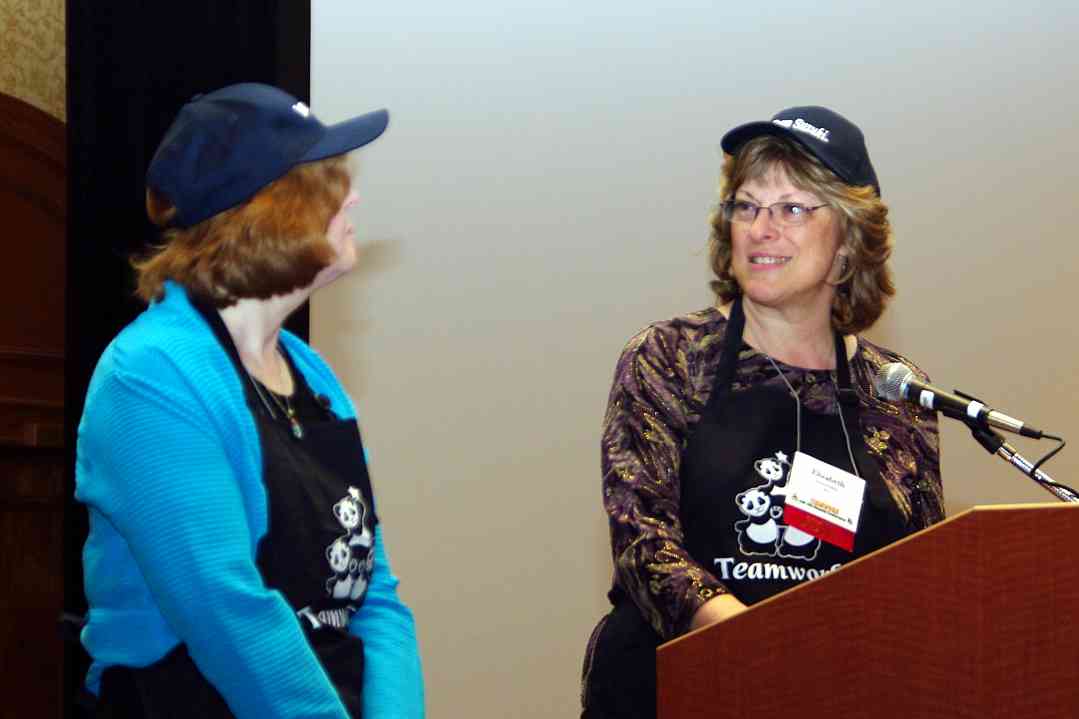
x,y
269,245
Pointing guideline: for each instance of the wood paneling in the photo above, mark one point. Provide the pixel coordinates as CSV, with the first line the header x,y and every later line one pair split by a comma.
x,y
33,205
974,618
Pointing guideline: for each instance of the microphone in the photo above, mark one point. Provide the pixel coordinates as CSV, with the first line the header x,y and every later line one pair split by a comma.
x,y
895,381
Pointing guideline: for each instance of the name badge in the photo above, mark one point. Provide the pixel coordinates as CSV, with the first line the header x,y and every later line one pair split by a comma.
x,y
823,501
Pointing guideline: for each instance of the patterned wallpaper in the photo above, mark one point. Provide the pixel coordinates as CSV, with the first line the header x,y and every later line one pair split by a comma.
x,y
33,52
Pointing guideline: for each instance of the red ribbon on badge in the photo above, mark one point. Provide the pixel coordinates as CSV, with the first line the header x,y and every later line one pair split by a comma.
x,y
822,529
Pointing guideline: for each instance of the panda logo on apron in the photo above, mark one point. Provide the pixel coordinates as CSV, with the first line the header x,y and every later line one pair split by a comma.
x,y
762,532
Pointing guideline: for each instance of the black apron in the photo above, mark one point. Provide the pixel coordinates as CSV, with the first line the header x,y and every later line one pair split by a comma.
x,y
318,552
739,452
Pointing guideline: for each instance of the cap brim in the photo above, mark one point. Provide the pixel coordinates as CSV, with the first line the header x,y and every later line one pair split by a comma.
x,y
742,134
348,135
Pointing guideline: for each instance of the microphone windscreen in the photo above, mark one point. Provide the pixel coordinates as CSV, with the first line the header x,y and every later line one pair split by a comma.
x,y
890,379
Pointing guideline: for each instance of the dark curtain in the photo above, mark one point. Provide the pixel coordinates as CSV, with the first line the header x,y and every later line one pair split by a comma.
x,y
130,66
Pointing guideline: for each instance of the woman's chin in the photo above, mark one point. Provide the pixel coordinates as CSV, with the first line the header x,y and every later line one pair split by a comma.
x,y
764,294
330,274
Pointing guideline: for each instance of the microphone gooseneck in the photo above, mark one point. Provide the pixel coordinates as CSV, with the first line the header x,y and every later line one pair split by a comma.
x,y
895,381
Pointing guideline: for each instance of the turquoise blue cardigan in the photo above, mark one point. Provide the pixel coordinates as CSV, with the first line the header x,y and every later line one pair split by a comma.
x,y
170,469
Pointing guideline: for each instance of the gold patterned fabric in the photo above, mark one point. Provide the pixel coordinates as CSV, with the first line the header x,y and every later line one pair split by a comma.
x,y
33,54
662,382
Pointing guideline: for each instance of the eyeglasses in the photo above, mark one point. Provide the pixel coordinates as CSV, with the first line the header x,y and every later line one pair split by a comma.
x,y
788,214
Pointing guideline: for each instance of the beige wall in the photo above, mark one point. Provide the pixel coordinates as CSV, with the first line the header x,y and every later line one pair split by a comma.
x,y
32,53
542,193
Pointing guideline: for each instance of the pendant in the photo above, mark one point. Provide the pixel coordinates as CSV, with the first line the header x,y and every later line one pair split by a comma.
x,y
297,428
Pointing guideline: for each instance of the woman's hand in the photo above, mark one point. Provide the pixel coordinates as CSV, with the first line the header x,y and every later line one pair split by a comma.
x,y
715,610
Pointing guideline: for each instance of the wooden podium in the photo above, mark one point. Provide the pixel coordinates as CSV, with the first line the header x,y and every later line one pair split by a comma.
x,y
975,617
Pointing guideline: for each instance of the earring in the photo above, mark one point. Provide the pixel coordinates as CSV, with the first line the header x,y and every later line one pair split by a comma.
x,y
842,276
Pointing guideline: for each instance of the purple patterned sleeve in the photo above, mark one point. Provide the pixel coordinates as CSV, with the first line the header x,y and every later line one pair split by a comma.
x,y
644,432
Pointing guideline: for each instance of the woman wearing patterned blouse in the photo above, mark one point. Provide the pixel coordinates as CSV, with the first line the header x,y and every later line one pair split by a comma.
x,y
709,410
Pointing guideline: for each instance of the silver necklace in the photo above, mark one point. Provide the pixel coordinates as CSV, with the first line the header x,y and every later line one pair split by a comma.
x,y
843,424
797,404
798,416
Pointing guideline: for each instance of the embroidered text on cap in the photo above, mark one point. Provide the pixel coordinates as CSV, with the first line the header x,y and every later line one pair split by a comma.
x,y
802,126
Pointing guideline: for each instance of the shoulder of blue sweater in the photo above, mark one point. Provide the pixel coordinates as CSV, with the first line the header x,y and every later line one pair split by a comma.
x,y
168,333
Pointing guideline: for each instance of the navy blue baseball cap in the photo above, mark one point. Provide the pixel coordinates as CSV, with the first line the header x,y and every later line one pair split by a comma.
x,y
830,137
225,146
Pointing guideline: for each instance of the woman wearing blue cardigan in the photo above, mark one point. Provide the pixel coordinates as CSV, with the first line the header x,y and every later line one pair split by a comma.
x,y
235,564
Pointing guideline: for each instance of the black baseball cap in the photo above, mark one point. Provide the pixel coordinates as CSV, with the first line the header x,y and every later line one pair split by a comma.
x,y
830,137
225,146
